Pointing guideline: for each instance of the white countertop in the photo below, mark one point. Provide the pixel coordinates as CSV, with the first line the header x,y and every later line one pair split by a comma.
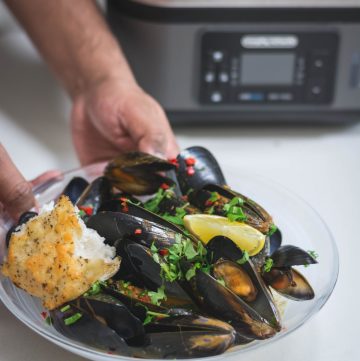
x,y
321,164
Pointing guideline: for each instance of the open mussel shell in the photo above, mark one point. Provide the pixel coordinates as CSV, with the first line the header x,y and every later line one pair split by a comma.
x,y
97,192
224,248
256,216
289,283
220,302
206,169
75,188
235,278
89,330
137,173
288,255
116,226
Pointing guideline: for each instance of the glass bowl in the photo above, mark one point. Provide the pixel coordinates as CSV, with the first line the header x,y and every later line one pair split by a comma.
x,y
300,225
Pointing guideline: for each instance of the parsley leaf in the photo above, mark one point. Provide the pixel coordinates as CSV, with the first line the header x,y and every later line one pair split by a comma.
x,y
158,296
245,257
273,228
268,265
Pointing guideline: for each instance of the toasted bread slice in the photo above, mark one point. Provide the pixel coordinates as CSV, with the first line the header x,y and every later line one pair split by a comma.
x,y
56,258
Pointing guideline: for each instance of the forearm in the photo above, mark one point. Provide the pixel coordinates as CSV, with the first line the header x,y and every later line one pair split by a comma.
x,y
74,39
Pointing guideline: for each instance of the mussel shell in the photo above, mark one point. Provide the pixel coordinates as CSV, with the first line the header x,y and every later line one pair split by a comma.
x,y
207,169
223,247
257,216
275,241
115,227
97,192
115,314
200,336
136,306
148,272
136,173
75,188
222,303
288,255
90,331
236,279
25,217
289,283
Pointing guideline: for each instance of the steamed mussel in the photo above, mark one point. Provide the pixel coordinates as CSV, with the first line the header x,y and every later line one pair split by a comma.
x,y
179,293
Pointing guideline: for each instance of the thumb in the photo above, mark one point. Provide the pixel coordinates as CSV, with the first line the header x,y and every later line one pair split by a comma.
x,y
15,192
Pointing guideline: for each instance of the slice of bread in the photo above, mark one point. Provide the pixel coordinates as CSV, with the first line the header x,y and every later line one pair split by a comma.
x,y
56,258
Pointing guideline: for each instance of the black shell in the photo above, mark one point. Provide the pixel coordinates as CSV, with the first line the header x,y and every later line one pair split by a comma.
x,y
223,247
222,303
287,256
207,169
97,192
75,188
115,227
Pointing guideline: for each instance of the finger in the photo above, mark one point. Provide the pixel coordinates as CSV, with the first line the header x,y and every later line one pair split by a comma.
x,y
148,125
15,192
44,177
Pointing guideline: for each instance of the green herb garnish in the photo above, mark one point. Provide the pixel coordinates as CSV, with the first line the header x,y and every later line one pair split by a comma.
x,y
48,320
65,308
268,265
158,296
72,319
273,228
233,210
94,289
245,257
313,254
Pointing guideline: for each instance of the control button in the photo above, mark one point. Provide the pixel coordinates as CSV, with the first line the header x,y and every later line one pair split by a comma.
x,y
209,77
273,97
316,90
251,97
319,62
216,97
287,97
218,56
223,77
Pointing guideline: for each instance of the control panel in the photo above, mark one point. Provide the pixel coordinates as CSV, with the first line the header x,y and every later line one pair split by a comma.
x,y
276,68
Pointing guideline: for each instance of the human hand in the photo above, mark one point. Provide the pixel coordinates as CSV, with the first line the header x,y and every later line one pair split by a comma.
x,y
16,195
114,117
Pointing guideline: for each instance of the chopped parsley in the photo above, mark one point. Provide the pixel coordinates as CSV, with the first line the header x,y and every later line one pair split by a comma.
x,y
65,308
313,254
273,228
245,257
72,319
234,211
213,197
268,265
183,248
94,289
158,296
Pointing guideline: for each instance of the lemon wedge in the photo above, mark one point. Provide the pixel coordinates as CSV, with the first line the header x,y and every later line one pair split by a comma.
x,y
205,227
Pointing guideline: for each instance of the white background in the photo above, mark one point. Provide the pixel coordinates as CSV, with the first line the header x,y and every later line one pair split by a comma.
x,y
321,164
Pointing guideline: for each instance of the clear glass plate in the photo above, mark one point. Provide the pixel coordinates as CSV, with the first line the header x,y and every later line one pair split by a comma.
x,y
298,221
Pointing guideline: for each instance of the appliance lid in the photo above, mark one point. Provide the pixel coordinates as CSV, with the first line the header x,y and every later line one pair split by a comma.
x,y
251,3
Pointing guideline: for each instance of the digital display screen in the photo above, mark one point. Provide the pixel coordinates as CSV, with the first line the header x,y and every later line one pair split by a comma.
x,y
267,68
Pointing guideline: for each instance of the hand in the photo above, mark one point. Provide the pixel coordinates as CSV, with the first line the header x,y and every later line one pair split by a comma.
x,y
114,117
16,195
